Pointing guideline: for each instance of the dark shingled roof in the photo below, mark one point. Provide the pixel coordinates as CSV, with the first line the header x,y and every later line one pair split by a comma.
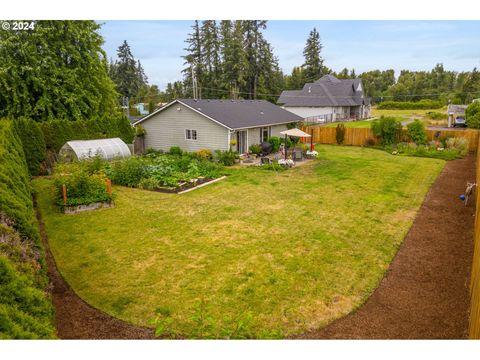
x,y
237,114
327,91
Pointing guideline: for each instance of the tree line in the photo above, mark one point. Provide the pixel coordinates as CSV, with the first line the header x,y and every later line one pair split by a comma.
x,y
60,71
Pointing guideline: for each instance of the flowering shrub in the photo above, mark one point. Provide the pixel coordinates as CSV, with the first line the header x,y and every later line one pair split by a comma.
x,y
458,143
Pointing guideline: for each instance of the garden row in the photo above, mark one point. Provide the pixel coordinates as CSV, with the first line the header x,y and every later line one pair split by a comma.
x,y
26,310
87,182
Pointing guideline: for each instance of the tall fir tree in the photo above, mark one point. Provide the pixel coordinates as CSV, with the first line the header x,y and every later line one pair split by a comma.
x,y
56,71
313,66
194,60
127,73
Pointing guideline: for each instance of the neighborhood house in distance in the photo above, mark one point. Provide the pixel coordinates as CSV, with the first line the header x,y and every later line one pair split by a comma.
x,y
194,125
328,99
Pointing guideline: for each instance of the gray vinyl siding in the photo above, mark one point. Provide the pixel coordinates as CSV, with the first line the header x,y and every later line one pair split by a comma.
x,y
275,131
254,134
167,129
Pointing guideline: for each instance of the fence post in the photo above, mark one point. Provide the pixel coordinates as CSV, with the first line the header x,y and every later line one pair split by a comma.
x,y
64,192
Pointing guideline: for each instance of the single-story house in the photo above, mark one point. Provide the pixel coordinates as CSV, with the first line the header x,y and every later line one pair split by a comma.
x,y
328,99
213,124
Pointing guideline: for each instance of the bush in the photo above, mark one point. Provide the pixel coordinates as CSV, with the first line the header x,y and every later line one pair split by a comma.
x,y
128,172
175,150
205,154
289,142
33,143
387,129
255,149
15,192
139,131
82,188
410,105
472,115
275,141
26,310
226,158
437,116
370,141
149,184
457,143
340,133
416,132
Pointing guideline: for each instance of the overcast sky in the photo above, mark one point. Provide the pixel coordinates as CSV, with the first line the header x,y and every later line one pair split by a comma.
x,y
363,45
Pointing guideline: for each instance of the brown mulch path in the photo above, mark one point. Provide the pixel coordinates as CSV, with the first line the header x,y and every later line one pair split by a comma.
x,y
74,318
425,292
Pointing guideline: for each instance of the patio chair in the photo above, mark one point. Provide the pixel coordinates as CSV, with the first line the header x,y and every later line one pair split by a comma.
x,y
297,155
265,161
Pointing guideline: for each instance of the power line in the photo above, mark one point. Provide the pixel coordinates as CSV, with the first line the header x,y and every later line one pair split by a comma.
x,y
309,96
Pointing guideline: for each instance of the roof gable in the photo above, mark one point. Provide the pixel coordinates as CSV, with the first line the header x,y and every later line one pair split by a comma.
x,y
327,91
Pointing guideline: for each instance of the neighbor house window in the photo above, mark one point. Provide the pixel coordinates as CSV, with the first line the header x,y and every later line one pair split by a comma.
x,y
264,134
190,134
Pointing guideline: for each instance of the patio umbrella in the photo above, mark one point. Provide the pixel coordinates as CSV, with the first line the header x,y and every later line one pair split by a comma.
x,y
295,133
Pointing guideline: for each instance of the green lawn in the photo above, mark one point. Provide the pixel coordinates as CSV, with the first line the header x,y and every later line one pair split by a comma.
x,y
406,113
259,254
353,124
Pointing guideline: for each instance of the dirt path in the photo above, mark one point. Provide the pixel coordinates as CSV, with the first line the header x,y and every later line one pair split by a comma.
x,y
424,294
74,318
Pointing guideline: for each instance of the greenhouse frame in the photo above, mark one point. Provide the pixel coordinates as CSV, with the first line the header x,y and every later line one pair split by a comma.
x,y
107,149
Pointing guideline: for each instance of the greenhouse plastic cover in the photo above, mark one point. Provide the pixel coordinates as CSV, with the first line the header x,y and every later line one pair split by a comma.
x,y
108,149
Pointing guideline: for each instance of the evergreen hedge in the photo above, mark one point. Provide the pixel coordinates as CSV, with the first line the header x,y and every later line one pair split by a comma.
x,y
58,132
26,310
33,143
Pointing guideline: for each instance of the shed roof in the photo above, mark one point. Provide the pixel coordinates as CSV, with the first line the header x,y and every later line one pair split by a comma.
x,y
237,114
108,149
456,109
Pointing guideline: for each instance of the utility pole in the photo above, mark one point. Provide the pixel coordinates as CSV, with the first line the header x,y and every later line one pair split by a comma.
x,y
194,84
126,106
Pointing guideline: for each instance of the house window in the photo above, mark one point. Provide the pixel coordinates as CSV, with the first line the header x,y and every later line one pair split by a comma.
x,y
190,134
265,133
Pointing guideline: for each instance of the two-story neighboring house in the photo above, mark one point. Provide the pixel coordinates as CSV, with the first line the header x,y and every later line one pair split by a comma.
x,y
328,99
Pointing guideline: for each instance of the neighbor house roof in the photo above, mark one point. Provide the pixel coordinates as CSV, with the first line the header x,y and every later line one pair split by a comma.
x,y
236,114
327,91
456,109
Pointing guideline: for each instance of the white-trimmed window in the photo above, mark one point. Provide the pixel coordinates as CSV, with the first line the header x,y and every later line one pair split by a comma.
x,y
190,134
265,133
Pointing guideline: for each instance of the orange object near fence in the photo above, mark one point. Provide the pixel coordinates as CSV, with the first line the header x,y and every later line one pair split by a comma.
x,y
64,193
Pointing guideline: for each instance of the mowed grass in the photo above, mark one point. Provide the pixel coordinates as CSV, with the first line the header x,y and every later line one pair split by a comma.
x,y
260,254
353,124
419,114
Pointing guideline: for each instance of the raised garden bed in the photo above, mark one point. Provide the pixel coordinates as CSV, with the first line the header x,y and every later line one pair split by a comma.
x,y
188,186
88,207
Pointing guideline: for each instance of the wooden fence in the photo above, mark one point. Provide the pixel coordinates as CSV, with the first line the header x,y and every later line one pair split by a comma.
x,y
359,136
474,331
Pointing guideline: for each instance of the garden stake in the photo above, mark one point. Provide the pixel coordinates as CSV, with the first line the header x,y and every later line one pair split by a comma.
x,y
64,192
108,182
